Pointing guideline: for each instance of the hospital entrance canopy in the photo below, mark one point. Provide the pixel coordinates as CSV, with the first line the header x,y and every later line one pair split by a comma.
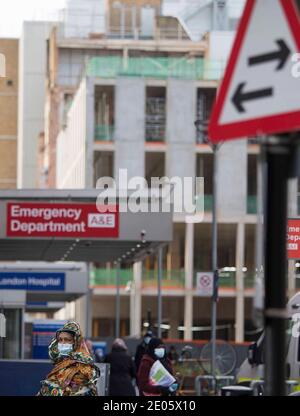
x,y
65,225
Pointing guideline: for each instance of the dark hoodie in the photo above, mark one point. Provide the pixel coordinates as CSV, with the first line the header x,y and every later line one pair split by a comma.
x,y
122,371
145,388
141,350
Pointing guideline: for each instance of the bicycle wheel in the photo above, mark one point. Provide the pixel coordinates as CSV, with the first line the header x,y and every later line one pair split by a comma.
x,y
225,358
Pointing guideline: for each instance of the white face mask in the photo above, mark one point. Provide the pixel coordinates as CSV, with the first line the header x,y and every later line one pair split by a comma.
x,y
147,340
65,348
159,352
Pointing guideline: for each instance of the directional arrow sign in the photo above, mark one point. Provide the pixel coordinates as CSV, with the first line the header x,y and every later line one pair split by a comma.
x,y
281,55
259,94
240,96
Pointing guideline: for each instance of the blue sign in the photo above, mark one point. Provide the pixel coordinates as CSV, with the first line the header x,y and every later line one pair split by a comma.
x,y
42,335
32,281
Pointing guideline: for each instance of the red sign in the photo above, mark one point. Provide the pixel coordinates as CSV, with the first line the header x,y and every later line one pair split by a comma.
x,y
260,93
293,239
60,220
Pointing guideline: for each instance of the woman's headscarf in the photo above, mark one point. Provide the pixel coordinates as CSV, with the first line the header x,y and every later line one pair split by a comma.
x,y
80,351
155,343
74,373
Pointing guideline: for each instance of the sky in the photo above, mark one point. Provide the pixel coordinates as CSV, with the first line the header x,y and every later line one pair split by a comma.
x,y
14,12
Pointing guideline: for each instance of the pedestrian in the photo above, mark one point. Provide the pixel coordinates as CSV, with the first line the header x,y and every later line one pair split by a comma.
x,y
156,351
173,354
74,372
141,349
122,370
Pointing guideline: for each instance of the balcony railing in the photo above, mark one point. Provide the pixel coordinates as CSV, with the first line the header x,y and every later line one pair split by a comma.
x,y
155,67
228,280
252,204
208,203
104,132
107,278
155,135
170,278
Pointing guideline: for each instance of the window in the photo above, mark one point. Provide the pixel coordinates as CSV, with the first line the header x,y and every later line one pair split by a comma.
x,y
103,165
154,166
204,169
205,101
155,114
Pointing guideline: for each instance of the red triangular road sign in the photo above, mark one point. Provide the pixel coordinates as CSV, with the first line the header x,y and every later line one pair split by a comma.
x,y
260,92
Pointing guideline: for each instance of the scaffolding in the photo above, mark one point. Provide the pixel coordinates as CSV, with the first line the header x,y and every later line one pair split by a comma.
x,y
155,119
204,107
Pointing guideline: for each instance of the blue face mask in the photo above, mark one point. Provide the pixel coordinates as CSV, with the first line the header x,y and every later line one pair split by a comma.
x,y
159,352
147,340
65,349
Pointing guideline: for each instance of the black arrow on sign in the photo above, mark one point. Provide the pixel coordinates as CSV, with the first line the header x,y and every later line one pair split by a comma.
x,y
240,96
281,55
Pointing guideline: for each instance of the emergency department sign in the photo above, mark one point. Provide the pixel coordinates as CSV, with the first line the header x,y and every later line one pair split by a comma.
x,y
205,284
60,220
259,94
293,239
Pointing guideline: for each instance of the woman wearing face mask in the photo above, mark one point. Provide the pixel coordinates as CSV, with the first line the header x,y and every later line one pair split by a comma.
x,y
74,372
156,351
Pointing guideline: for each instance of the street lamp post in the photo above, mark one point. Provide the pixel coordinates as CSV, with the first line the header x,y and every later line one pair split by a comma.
x,y
118,299
159,294
202,127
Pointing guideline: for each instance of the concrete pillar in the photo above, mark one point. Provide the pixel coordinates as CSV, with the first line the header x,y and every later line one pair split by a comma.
x,y
136,301
232,179
291,278
130,98
180,129
189,272
80,314
32,75
90,133
240,300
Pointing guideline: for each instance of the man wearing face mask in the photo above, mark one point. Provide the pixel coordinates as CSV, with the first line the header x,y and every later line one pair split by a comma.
x,y
141,349
156,351
74,372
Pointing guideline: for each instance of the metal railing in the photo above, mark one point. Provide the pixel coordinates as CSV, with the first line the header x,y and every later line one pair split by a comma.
x,y
209,386
227,280
170,278
155,67
252,204
104,132
159,33
107,277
